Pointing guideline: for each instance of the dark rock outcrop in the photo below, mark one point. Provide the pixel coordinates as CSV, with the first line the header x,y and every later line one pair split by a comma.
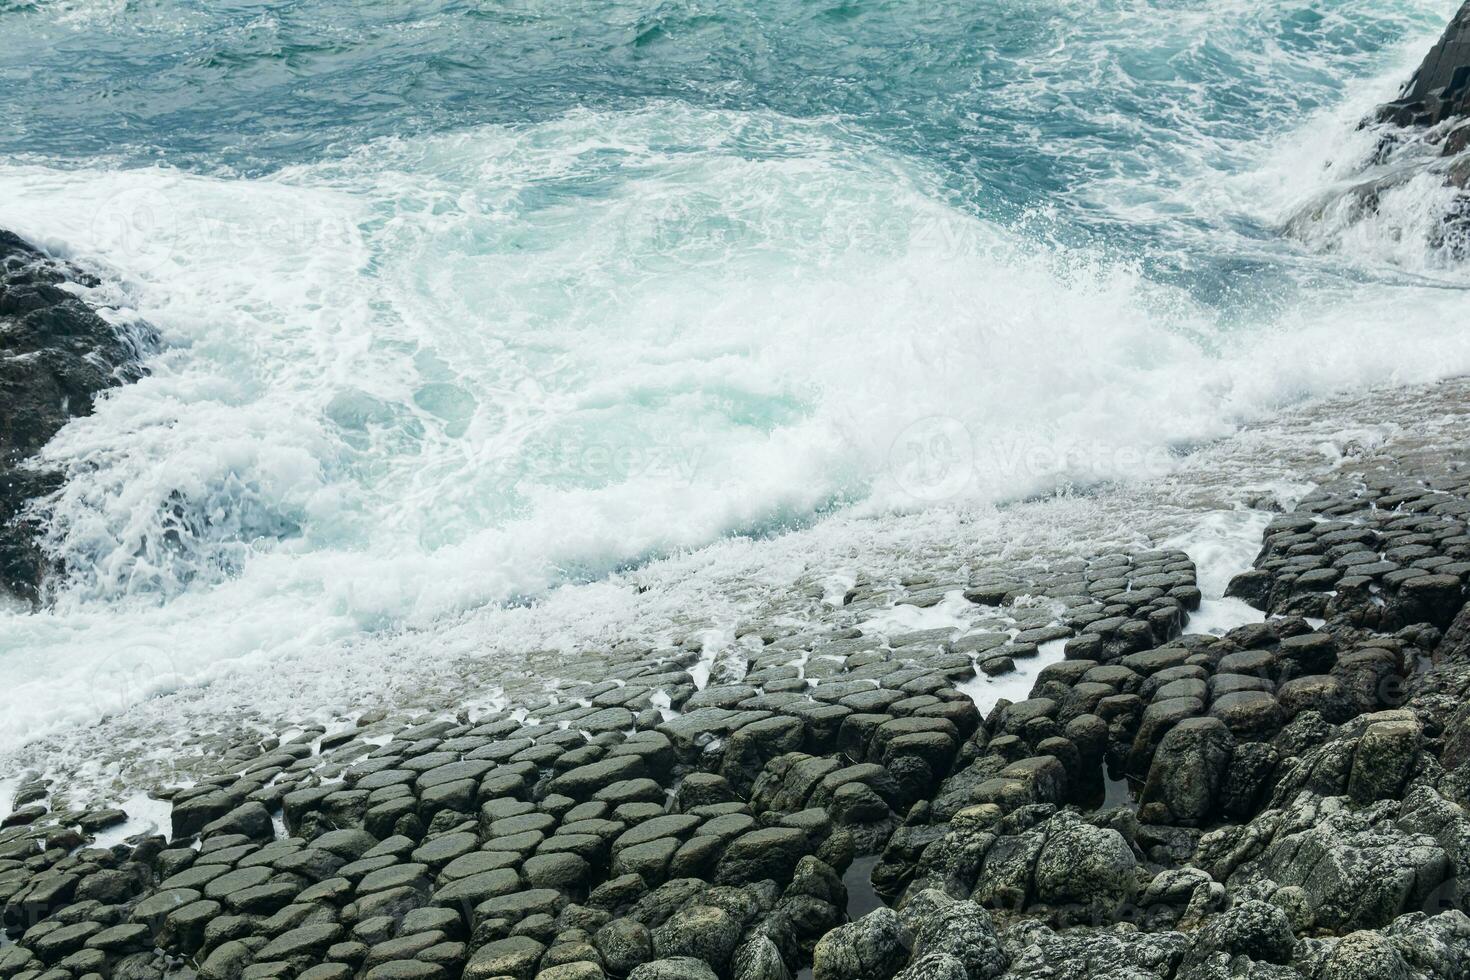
x,y
57,355
1422,136
1440,89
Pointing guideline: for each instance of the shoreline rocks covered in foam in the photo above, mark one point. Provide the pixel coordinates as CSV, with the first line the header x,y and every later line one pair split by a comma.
x,y
1047,776
56,356
1416,176
1035,772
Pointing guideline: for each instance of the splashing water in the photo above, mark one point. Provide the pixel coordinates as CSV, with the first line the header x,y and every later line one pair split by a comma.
x,y
465,301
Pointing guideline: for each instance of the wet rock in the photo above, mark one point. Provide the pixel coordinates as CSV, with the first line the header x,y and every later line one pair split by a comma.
x,y
760,959
702,932
681,968
57,356
516,957
1180,898
935,966
1039,951
572,971
1158,718
1187,773
771,853
1255,929
308,941
1384,760
624,944
1322,693
869,949
1250,715
965,931
1365,955
250,820
1356,871
581,783
1085,865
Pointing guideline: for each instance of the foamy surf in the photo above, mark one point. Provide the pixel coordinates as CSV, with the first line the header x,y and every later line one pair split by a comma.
x,y
441,371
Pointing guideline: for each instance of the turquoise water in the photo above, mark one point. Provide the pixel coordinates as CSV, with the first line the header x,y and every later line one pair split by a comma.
x,y
465,301
1007,105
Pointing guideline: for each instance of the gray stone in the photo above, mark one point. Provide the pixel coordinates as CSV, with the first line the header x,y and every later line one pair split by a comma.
x,y
310,940
770,853
700,931
1087,865
966,932
514,957
760,959
1187,773
681,968
870,948
935,966
624,945
1255,929
251,820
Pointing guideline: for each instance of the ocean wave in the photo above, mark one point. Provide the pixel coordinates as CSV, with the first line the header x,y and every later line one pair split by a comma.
x,y
438,370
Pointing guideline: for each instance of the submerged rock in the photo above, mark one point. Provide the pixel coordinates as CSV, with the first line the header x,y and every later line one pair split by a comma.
x,y
56,356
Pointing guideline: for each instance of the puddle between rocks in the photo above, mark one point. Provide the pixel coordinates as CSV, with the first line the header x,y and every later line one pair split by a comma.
x,y
1118,791
861,898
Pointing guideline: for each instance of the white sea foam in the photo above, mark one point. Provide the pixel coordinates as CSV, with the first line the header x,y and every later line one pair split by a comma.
x,y
458,370
1222,544
145,816
987,691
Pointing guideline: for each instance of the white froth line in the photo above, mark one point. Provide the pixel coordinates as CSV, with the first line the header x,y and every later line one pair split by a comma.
x,y
8,788
986,691
700,671
1222,544
660,699
835,588
145,816
1219,616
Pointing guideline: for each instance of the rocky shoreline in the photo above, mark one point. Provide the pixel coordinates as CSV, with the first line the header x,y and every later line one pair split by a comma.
x,y
1284,800
1013,769
57,355
1421,136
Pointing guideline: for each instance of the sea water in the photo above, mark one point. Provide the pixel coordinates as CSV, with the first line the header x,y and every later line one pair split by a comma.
x,y
466,302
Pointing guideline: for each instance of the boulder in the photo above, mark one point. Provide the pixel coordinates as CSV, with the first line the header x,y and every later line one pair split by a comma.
x,y
515,957
869,949
1085,865
1384,760
770,853
699,931
1356,870
678,968
624,944
1187,773
1365,955
1255,929
935,966
964,931
760,959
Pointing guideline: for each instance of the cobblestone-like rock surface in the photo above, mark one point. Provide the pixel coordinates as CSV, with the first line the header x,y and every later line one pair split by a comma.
x,y
1049,776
